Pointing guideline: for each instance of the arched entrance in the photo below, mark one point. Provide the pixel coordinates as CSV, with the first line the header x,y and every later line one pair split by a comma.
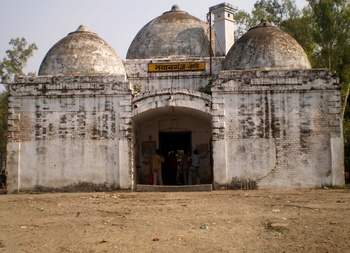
x,y
174,130
176,145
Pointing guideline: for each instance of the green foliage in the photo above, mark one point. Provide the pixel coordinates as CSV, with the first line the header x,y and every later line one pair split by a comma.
x,y
275,10
331,33
243,21
3,128
12,66
206,89
137,88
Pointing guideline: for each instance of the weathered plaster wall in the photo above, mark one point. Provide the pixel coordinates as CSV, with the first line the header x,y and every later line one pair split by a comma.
x,y
68,133
277,128
269,128
138,75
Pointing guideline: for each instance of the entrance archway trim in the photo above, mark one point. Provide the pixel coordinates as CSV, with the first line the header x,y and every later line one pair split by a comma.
x,y
172,98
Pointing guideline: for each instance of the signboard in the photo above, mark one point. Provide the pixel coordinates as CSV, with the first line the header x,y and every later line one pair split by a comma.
x,y
176,66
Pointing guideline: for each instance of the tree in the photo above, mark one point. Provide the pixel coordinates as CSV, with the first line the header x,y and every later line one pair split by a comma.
x,y
275,11
12,66
332,34
243,22
331,19
331,30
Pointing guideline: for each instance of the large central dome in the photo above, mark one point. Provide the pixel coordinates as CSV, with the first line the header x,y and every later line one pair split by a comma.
x,y
173,34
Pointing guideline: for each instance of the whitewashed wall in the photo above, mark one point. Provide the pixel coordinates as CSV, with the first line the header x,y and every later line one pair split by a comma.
x,y
69,133
268,128
138,75
276,129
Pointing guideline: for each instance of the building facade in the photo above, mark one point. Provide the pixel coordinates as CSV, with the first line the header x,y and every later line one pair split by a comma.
x,y
255,109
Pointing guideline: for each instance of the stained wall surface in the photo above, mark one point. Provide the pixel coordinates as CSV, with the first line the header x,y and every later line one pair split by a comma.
x,y
277,129
67,134
263,116
145,81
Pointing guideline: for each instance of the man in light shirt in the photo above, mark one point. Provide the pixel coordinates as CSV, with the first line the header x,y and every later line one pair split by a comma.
x,y
194,167
157,161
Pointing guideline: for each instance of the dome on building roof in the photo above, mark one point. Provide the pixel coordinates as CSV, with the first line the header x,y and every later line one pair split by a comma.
x,y
173,34
266,46
81,52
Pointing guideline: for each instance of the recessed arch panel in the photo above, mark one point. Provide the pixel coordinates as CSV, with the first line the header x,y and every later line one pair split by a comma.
x,y
181,118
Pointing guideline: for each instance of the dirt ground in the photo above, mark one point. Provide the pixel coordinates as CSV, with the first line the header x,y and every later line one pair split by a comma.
x,y
217,221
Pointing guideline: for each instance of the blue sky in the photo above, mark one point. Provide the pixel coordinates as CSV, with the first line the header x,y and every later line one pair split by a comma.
x,y
45,22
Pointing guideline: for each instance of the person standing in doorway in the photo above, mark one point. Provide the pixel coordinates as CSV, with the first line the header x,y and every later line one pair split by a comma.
x,y
157,161
3,180
185,166
194,160
172,167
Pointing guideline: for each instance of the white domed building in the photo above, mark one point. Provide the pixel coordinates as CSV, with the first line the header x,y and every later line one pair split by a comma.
x,y
256,111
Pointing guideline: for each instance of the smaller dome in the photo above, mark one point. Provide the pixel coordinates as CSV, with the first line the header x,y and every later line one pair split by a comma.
x,y
81,52
173,34
266,46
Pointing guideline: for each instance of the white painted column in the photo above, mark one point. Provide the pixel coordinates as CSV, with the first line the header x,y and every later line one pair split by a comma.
x,y
220,162
125,170
224,27
337,156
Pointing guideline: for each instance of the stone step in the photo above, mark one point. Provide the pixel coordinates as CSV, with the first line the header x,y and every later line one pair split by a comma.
x,y
173,188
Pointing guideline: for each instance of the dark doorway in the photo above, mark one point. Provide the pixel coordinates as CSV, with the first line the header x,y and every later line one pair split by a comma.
x,y
170,143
